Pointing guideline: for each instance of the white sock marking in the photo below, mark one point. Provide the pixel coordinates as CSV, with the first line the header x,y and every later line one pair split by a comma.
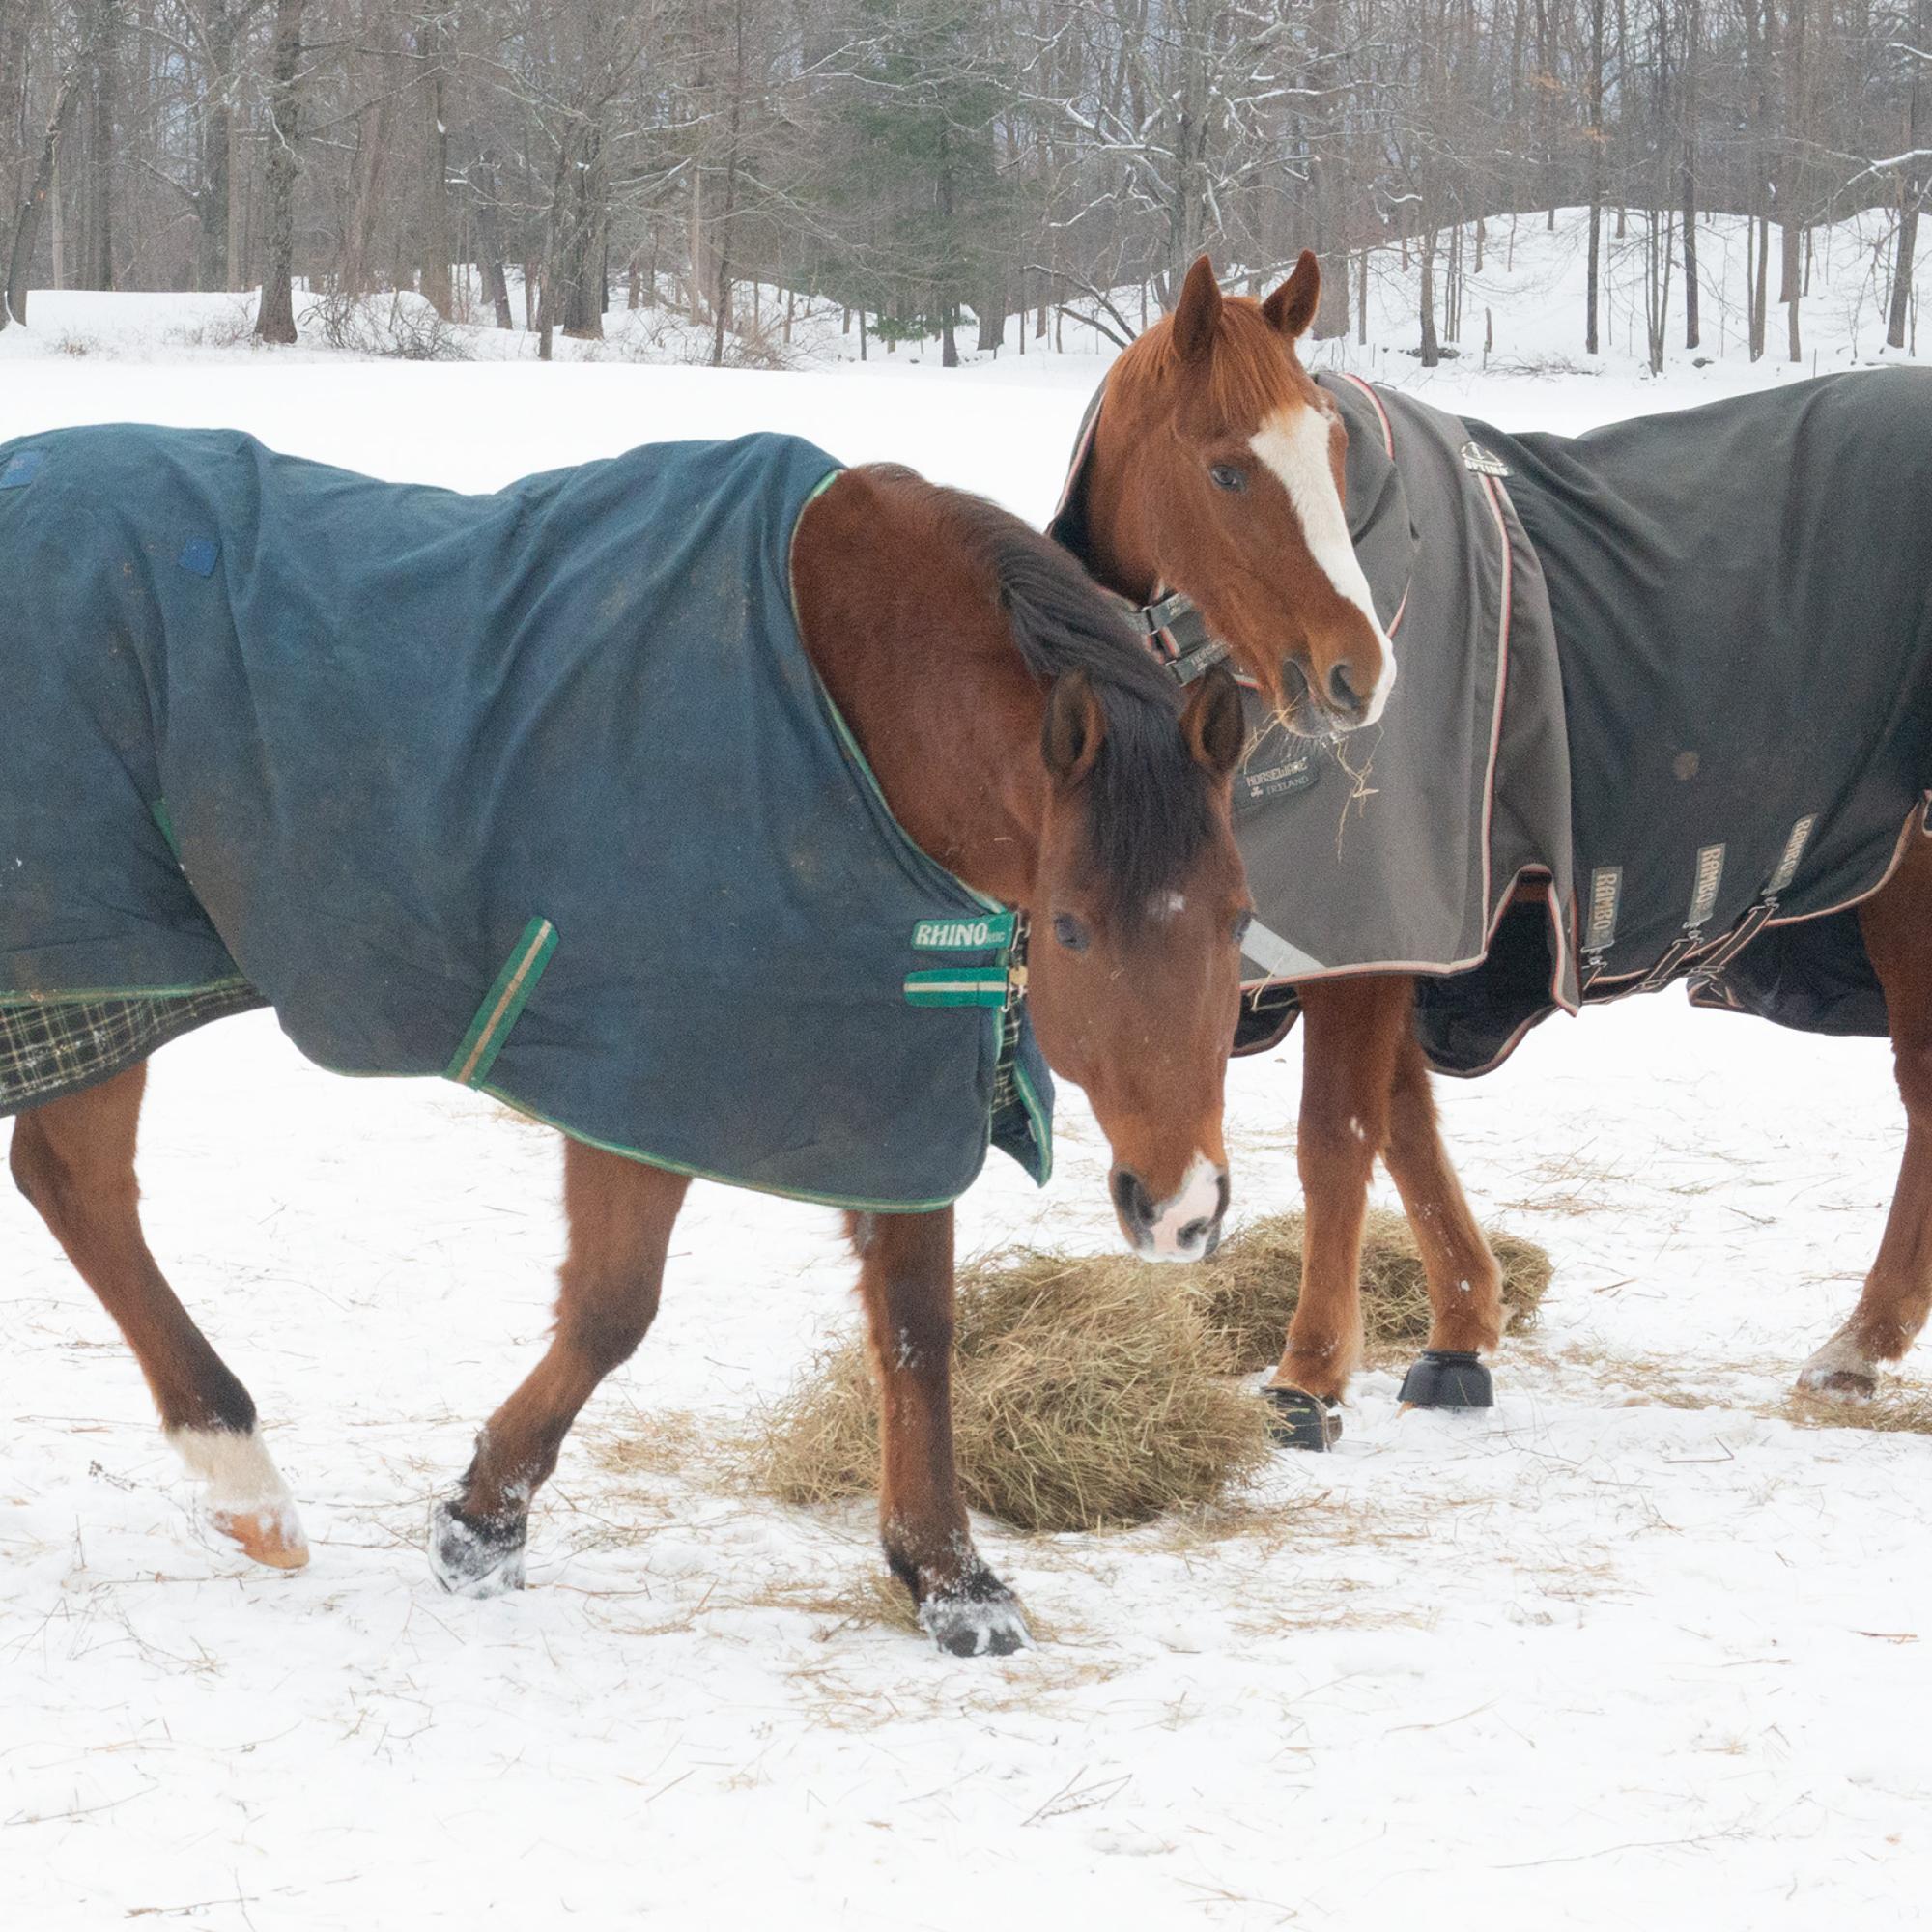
x,y
242,1478
1294,443
1840,1356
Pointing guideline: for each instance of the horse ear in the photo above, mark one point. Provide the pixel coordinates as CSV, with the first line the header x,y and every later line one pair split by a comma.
x,y
1070,735
1198,313
1292,307
1212,726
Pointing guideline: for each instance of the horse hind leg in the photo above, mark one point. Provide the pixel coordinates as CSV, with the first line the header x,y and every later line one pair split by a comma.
x,y
620,1214
73,1158
1897,926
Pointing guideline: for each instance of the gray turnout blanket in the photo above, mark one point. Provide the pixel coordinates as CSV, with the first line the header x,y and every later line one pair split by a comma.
x,y
1663,712
536,790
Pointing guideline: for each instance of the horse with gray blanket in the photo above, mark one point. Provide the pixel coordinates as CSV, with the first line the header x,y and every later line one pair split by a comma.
x,y
1664,713
695,801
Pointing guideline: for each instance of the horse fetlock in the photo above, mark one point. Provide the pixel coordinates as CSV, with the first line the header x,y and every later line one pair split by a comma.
x,y
476,1555
247,1501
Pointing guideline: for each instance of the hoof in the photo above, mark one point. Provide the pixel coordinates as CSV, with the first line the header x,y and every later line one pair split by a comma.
x,y
1840,1371
1303,1421
1850,1385
1447,1379
471,1556
273,1537
964,1626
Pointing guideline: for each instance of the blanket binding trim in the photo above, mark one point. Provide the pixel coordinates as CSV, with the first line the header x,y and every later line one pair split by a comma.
x,y
502,1005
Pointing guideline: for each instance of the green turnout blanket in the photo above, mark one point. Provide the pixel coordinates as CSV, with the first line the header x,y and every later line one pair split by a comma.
x,y
536,790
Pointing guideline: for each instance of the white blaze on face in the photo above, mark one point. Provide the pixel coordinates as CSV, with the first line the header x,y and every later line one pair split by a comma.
x,y
1197,1200
1294,443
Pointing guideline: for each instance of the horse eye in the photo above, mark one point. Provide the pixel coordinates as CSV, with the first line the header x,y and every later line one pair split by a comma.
x,y
1242,920
1069,932
1228,476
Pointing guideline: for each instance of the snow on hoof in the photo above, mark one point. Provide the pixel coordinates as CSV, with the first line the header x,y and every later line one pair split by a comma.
x,y
964,1626
1840,1370
473,1557
249,1502
1303,1421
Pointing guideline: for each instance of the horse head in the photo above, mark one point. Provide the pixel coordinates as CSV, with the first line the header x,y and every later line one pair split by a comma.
x,y
1139,903
1215,469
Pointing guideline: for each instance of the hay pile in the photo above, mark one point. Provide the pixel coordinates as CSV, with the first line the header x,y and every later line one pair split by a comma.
x,y
1248,1291
1095,1391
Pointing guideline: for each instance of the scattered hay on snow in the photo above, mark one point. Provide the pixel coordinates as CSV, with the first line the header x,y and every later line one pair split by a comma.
x,y
1096,1391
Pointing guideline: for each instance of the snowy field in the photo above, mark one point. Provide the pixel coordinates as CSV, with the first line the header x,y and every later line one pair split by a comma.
x,y
1638,1648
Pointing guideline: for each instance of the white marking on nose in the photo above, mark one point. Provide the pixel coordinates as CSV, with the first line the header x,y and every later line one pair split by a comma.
x,y
1294,443
1197,1199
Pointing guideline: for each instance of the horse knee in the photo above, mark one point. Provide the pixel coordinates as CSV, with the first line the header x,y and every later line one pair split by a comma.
x,y
1911,1063
607,1336
916,1337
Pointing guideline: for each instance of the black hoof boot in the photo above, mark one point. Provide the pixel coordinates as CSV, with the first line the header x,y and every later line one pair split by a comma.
x,y
1447,1379
1303,1421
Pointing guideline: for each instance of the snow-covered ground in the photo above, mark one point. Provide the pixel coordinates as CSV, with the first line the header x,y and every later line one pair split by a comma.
x,y
1637,1649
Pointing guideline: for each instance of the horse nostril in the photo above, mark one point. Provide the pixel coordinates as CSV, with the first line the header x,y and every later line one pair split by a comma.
x,y
1131,1199
1342,693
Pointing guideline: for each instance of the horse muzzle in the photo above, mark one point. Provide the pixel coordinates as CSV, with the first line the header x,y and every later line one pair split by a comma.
x,y
1186,1226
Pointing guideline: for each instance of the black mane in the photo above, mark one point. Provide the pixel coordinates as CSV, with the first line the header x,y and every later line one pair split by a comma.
x,y
1150,809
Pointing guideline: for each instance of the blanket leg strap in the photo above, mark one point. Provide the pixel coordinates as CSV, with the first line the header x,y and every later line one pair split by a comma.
x,y
470,1064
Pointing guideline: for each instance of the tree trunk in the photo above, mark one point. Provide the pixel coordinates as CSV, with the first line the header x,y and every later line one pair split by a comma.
x,y
1694,34
1431,348
97,265
373,131
27,221
490,239
1594,136
1913,181
720,307
275,319
438,249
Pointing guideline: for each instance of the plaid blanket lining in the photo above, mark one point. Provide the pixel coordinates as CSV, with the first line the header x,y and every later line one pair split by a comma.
x,y
51,1047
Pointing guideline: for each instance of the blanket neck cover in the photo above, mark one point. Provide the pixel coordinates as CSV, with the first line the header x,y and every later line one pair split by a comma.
x,y
538,790
1674,677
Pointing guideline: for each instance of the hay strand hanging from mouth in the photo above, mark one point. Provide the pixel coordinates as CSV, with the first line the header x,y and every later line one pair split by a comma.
x,y
1093,1391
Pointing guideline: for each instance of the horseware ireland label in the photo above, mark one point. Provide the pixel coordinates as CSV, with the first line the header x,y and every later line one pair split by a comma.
x,y
1704,894
963,935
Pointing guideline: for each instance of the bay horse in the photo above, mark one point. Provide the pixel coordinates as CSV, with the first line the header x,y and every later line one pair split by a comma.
x,y
1023,741
1214,470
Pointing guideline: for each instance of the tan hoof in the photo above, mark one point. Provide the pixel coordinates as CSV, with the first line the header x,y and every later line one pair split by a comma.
x,y
272,1539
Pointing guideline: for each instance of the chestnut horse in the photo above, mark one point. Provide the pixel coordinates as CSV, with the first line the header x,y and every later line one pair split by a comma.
x,y
1026,743
1214,470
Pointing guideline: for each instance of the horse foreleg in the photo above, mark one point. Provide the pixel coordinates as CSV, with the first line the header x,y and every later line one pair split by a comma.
x,y
1352,1033
620,1215
905,1280
1897,925
1464,1283
73,1158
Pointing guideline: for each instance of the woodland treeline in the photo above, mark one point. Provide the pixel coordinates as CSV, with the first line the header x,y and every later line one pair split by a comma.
x,y
933,167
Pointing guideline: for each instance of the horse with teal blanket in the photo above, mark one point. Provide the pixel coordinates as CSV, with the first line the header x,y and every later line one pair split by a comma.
x,y
697,802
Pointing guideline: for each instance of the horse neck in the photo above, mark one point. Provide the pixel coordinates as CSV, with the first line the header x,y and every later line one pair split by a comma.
x,y
1120,551
905,631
